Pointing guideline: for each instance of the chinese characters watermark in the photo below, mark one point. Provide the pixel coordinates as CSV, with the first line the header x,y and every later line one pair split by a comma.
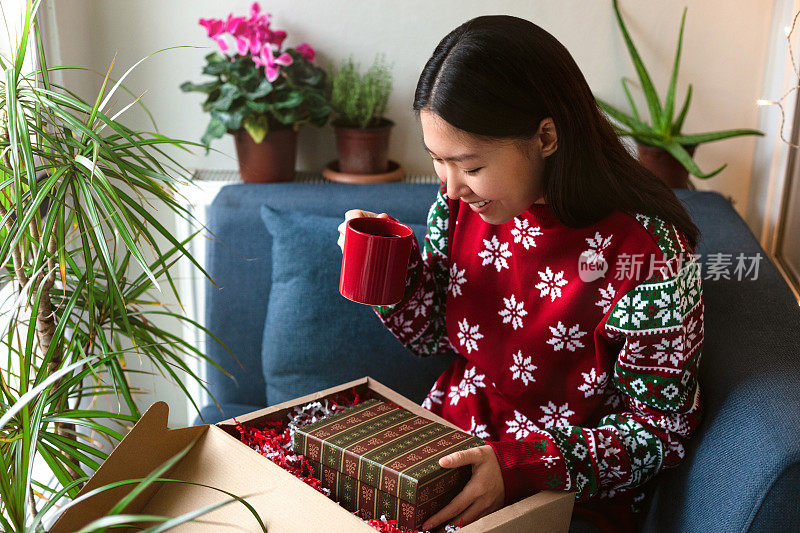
x,y
716,266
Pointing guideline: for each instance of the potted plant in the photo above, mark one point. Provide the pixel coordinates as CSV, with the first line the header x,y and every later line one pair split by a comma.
x,y
77,191
261,93
362,132
663,148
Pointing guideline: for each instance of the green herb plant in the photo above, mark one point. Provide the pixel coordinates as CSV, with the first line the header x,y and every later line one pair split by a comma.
x,y
359,101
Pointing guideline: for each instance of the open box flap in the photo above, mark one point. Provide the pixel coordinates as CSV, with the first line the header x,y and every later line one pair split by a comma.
x,y
148,445
280,499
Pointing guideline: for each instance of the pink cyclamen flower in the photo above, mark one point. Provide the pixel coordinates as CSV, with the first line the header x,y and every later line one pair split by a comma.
x,y
257,16
247,40
271,63
261,34
213,26
233,24
306,51
276,37
216,29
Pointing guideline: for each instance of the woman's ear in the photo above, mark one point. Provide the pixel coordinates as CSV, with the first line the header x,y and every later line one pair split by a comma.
x,y
547,136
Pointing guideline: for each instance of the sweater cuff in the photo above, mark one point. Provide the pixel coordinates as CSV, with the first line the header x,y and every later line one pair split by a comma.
x,y
524,472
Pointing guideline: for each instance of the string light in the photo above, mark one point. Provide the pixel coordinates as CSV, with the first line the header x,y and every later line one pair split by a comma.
x,y
762,102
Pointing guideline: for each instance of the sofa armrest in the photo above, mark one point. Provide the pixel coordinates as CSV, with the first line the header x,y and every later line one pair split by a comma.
x,y
750,388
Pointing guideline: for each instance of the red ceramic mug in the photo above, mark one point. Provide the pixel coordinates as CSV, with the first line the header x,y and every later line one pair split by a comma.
x,y
375,260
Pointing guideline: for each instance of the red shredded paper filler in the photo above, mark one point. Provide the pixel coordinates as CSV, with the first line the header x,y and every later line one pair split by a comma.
x,y
273,440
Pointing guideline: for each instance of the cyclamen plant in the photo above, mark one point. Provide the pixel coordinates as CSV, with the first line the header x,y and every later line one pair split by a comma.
x,y
259,85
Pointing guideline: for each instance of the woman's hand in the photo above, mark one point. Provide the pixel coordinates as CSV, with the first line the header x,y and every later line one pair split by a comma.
x,y
355,213
483,494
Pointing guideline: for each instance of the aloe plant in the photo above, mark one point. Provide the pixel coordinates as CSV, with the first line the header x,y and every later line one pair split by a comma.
x,y
664,128
78,190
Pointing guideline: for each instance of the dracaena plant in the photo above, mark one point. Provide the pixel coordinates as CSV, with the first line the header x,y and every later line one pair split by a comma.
x,y
86,270
664,129
258,85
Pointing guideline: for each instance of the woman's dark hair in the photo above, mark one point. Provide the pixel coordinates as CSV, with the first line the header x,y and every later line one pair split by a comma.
x,y
498,77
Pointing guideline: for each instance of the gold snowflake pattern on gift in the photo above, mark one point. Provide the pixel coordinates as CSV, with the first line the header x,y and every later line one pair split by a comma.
x,y
408,511
313,449
387,506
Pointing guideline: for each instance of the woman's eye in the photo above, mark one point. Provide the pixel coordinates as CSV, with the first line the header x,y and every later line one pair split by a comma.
x,y
470,172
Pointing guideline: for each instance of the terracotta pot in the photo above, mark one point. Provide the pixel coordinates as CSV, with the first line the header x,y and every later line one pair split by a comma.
x,y
364,151
273,159
664,165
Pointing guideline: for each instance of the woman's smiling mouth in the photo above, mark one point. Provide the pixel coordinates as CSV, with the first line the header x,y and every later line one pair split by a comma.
x,y
479,207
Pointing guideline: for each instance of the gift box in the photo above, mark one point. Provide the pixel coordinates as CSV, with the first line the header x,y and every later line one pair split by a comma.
x,y
285,504
382,460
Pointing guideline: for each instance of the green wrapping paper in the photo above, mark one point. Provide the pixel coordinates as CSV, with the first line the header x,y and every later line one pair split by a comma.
x,y
381,459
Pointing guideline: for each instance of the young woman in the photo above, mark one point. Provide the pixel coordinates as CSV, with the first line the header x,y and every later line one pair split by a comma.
x,y
561,275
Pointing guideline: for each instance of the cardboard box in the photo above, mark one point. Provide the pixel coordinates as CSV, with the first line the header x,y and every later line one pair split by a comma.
x,y
285,504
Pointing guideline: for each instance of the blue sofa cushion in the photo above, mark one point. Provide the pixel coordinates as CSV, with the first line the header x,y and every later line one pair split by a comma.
x,y
315,338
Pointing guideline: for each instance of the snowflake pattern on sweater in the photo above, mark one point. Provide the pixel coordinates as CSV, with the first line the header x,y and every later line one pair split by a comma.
x,y
589,387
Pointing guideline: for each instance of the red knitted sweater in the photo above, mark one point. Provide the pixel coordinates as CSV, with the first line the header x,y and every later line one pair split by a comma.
x,y
579,380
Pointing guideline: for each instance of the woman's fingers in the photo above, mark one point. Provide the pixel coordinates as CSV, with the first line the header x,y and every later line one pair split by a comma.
x,y
470,456
355,213
352,213
461,502
473,512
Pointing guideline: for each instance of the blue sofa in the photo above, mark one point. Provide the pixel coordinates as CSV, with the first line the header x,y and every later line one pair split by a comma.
x,y
741,472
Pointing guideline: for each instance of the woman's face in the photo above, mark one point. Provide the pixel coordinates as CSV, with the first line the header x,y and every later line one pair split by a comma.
x,y
499,180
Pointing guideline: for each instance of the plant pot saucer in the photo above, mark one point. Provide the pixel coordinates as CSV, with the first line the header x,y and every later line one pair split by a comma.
x,y
394,173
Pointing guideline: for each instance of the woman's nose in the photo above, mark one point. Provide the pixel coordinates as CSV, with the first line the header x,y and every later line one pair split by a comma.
x,y
455,187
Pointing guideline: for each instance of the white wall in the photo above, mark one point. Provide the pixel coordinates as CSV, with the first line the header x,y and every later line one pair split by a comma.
x,y
725,49
12,20
724,55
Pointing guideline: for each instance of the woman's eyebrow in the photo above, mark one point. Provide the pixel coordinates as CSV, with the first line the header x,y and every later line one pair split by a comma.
x,y
455,158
